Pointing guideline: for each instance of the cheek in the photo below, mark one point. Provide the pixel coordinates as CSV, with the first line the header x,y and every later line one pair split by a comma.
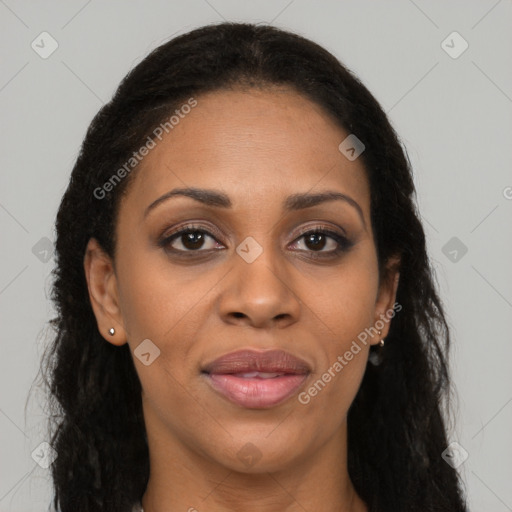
x,y
336,381
168,308
345,299
346,304
155,298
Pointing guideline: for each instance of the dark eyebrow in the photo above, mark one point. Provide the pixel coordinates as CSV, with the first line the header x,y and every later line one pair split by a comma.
x,y
300,201
205,196
219,199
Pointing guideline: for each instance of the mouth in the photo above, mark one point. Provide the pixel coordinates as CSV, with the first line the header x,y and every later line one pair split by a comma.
x,y
255,379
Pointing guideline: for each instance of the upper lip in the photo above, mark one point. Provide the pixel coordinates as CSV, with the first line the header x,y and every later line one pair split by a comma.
x,y
270,361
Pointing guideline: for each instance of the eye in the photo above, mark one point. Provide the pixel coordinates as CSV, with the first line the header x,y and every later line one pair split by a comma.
x,y
192,238
189,239
318,239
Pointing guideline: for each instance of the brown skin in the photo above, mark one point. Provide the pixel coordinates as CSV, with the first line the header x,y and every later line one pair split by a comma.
x,y
257,146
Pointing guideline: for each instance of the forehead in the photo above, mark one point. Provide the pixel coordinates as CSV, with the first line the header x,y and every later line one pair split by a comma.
x,y
257,145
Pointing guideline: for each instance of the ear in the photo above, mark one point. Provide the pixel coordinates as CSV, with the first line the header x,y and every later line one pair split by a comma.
x,y
385,307
103,293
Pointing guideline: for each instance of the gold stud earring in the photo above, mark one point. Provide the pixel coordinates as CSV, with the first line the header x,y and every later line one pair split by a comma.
x,y
112,331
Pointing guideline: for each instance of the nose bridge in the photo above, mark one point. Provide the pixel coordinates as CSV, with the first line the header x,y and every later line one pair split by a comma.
x,y
259,266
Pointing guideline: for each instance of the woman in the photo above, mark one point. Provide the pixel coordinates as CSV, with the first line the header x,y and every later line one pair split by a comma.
x,y
247,318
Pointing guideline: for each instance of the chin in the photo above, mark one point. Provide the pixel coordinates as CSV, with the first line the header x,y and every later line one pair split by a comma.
x,y
262,451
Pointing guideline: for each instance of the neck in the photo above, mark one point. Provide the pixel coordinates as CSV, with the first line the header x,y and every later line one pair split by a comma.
x,y
232,492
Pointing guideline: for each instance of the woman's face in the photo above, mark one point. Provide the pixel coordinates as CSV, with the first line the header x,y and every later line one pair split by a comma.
x,y
253,281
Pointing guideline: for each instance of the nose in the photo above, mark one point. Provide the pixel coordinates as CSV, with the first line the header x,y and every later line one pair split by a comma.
x,y
260,294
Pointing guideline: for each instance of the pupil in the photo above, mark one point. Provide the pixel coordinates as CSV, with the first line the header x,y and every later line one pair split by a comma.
x,y
316,243
193,240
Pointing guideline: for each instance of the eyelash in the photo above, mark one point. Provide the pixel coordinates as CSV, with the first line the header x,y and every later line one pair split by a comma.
x,y
344,244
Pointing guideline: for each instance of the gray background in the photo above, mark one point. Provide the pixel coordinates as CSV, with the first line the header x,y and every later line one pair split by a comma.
x,y
453,115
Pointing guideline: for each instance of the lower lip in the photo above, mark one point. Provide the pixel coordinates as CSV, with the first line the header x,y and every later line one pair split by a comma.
x,y
256,393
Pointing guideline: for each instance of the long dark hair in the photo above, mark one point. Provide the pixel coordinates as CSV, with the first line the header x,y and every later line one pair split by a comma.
x,y
397,422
